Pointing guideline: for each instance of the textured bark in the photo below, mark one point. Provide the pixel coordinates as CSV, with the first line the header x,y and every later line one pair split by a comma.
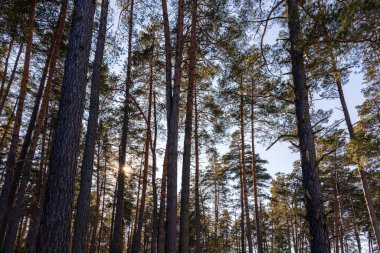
x,y
136,245
56,218
11,159
84,198
197,185
315,215
154,186
185,190
117,234
104,183
161,218
171,212
243,173
260,248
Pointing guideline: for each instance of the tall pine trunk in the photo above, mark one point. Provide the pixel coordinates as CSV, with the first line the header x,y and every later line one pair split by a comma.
x,y
161,215
117,234
185,190
154,186
172,138
367,194
315,214
56,218
197,185
136,245
84,198
254,175
243,172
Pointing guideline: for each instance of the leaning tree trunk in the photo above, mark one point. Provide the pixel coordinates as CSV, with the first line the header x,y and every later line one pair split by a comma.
x,y
254,175
11,159
117,234
186,164
315,214
56,218
243,173
84,198
136,244
367,194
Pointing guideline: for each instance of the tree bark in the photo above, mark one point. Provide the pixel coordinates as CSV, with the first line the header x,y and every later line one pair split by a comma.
x,y
154,186
117,234
56,218
197,185
254,175
171,213
244,178
185,191
84,198
161,219
315,215
136,245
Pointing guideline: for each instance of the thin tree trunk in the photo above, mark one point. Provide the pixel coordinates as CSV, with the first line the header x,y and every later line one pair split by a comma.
x,y
242,216
104,183
117,235
186,164
39,193
84,198
94,222
56,218
254,175
154,186
197,185
136,245
161,218
315,215
11,159
367,194
244,178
